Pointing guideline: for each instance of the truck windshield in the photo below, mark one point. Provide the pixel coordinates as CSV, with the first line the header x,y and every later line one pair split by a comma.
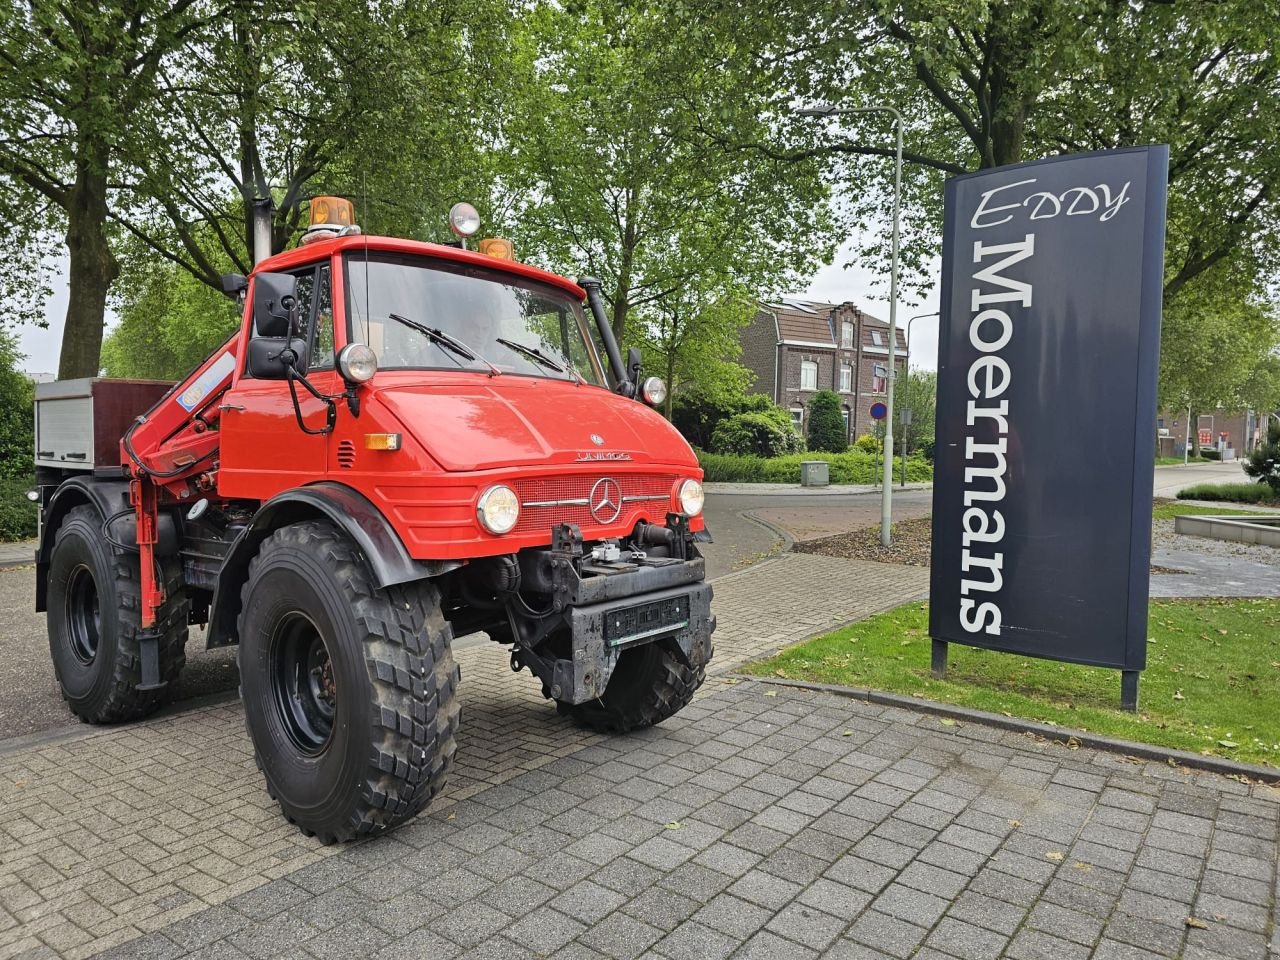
x,y
518,326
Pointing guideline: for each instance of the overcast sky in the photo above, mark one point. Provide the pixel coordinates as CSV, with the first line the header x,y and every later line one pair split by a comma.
x,y
833,283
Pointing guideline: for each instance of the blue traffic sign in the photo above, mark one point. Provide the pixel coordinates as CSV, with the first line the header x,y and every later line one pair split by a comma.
x,y
879,411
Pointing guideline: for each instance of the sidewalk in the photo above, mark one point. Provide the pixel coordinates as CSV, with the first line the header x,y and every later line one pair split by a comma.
x,y
18,554
758,823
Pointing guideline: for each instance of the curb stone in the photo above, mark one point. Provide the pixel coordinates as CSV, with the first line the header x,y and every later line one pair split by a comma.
x,y
1063,735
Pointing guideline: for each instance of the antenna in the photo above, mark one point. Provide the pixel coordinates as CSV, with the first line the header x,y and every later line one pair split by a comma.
x,y
368,322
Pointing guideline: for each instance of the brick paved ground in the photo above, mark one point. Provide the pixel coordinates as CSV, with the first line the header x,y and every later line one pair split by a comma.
x,y
757,823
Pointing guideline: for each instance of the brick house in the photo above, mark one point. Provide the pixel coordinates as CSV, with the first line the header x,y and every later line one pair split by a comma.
x,y
796,347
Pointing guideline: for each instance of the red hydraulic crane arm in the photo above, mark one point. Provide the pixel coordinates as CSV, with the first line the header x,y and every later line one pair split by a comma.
x,y
173,449
177,439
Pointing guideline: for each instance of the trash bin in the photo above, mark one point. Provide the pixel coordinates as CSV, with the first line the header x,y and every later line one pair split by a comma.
x,y
814,473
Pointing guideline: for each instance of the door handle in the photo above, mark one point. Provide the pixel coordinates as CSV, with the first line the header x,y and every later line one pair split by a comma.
x,y
230,406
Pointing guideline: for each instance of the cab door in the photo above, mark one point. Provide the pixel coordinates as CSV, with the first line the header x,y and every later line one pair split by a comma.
x,y
263,450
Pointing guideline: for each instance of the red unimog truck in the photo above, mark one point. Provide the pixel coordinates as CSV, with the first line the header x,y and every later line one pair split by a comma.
x,y
405,442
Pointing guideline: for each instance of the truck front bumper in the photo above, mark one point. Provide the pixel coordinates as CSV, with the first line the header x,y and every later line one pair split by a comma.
x,y
602,632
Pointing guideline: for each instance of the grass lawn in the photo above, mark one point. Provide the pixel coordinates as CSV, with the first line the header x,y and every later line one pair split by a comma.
x,y
1212,683
1167,511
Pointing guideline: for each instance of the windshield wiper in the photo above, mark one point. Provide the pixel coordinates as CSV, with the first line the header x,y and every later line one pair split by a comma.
x,y
537,356
445,341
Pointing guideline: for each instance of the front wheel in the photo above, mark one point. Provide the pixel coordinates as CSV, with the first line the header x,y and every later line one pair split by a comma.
x,y
649,684
349,691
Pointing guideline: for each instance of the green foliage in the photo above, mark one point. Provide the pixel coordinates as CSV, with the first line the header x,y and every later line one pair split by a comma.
x,y
766,434
1208,453
610,170
169,323
827,431
1264,462
868,443
851,467
17,446
698,410
1233,492
17,418
917,392
692,343
19,518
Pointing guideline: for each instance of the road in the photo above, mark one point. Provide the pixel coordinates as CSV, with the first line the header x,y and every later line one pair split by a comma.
x,y
29,699
1169,480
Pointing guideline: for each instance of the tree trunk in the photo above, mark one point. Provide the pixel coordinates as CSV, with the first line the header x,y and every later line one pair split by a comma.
x,y
1193,427
93,267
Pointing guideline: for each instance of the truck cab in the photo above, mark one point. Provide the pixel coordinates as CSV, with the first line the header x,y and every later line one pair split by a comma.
x,y
404,442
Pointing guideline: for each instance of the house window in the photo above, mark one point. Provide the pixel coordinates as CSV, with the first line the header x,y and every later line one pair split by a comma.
x,y
808,375
877,338
846,335
877,384
845,414
797,418
846,378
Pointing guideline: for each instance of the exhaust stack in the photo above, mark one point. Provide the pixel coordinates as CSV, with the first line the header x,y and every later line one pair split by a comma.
x,y
263,207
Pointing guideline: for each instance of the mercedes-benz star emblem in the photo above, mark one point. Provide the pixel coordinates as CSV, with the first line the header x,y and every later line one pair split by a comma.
x,y
597,440
605,500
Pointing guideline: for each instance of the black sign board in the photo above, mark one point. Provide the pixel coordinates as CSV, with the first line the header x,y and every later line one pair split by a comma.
x,y
1047,363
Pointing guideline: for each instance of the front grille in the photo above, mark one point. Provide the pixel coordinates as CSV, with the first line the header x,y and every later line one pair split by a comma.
x,y
548,501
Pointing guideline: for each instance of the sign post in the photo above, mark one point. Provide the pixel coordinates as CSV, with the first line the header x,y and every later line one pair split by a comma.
x,y
1051,287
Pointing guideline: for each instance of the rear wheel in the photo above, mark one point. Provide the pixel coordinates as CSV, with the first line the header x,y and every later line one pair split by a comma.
x,y
94,619
649,684
349,691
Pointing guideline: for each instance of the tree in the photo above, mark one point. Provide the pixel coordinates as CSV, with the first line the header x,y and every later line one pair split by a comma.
x,y
384,103
688,341
75,77
984,84
918,392
1264,462
169,323
609,175
827,431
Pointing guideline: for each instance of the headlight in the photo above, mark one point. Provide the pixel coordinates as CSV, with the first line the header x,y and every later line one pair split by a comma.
x,y
498,509
691,497
654,391
357,363
463,219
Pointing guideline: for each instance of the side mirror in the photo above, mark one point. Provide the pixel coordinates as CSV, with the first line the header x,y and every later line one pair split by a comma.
x,y
275,305
270,357
634,359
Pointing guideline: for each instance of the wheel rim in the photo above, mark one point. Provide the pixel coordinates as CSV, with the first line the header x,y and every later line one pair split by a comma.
x,y
303,684
84,617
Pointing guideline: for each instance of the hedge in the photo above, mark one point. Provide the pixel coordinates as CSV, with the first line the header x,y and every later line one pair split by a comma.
x,y
851,467
18,520
1232,492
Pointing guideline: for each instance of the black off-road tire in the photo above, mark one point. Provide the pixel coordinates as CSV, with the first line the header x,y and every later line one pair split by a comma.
x,y
94,617
649,684
390,690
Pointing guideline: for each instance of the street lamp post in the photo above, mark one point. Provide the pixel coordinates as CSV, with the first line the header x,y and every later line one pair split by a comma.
x,y
886,488
904,426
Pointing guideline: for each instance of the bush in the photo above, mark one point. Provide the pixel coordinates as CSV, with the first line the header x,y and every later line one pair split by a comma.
x,y
854,466
697,415
1208,454
17,513
868,443
1264,462
756,434
1232,492
827,431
